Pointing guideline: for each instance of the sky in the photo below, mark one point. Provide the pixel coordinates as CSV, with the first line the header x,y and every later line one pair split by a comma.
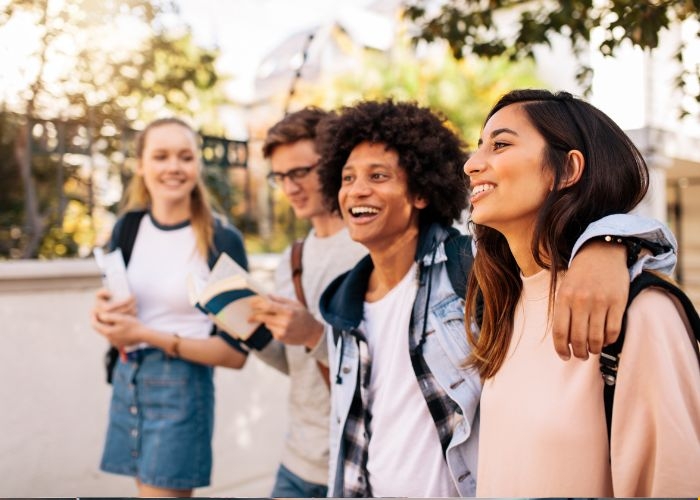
x,y
246,30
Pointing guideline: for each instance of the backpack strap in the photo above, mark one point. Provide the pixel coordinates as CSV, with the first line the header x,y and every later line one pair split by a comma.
x,y
297,269
459,262
125,231
610,357
128,230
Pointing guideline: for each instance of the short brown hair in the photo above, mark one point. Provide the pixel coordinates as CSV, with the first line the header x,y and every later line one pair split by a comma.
x,y
294,127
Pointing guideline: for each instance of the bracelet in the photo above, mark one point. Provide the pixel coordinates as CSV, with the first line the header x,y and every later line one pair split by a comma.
x,y
633,246
175,349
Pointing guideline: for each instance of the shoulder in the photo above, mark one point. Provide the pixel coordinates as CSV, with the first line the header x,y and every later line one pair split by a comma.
x,y
655,305
227,239
126,218
224,229
286,255
342,302
283,272
126,226
657,327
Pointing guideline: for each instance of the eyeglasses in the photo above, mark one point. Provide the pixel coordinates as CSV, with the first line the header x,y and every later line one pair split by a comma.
x,y
276,179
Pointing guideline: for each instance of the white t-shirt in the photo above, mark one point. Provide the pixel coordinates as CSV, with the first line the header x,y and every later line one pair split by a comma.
x,y
405,455
161,260
323,260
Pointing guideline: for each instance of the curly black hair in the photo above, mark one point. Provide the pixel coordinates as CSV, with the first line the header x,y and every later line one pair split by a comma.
x,y
432,155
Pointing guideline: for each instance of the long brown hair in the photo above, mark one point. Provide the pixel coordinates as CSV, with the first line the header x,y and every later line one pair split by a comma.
x,y
137,196
614,180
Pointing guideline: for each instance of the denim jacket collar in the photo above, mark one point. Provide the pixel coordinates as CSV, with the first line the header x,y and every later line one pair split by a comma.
x,y
342,302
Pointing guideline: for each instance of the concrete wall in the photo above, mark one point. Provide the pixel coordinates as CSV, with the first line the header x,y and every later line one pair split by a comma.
x,y
55,400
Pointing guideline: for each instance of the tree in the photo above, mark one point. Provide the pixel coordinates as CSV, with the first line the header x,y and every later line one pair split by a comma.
x,y
471,26
100,67
461,90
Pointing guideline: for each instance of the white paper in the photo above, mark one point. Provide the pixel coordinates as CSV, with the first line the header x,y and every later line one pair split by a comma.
x,y
113,273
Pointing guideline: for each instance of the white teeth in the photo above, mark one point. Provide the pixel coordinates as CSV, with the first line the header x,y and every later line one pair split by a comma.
x,y
363,210
481,188
172,182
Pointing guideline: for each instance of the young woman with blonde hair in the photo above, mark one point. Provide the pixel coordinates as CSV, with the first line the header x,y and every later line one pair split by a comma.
x,y
162,411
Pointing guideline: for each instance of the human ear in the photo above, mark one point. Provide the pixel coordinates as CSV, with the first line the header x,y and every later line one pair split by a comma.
x,y
420,202
575,164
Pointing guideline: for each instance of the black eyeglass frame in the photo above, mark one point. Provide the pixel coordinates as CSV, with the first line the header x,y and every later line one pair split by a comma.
x,y
276,179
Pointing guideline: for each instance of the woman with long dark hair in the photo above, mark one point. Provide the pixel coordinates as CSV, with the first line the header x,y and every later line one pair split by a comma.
x,y
547,165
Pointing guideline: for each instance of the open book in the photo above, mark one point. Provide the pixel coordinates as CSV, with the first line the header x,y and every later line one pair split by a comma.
x,y
225,296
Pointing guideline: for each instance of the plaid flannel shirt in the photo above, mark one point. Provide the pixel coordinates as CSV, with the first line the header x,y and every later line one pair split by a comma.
x,y
356,434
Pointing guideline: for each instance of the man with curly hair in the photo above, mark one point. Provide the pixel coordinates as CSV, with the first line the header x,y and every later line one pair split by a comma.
x,y
404,408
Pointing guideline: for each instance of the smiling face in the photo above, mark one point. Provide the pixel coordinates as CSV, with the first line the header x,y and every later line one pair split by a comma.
x,y
508,177
169,165
374,198
303,193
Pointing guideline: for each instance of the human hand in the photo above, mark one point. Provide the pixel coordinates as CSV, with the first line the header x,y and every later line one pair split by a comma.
x,y
120,329
288,320
591,300
104,304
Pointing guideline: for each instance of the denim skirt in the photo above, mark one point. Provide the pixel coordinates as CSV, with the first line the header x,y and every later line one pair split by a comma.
x,y
161,421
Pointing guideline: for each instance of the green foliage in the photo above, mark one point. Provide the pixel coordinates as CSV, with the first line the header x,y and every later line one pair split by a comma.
x,y
469,26
100,68
461,90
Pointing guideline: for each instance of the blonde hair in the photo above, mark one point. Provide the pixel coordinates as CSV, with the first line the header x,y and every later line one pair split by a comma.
x,y
137,196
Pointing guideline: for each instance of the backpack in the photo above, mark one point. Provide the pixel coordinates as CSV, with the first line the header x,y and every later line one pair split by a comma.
x,y
610,356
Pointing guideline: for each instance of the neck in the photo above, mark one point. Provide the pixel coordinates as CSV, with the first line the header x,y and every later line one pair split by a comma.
x,y
171,213
327,224
522,253
391,264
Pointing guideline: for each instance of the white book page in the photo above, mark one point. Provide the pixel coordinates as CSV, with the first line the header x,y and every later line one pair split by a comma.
x,y
113,273
226,267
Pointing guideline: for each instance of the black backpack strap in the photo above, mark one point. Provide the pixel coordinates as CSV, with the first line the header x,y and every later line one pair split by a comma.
x,y
458,249
610,357
460,259
127,231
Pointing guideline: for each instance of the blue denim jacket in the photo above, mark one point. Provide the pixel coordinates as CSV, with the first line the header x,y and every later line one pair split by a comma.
x,y
445,349
641,227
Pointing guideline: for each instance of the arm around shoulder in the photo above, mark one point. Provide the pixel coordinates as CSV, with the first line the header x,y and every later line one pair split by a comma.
x,y
646,229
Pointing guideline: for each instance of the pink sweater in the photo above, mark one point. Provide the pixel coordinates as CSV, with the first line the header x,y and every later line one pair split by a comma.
x,y
543,431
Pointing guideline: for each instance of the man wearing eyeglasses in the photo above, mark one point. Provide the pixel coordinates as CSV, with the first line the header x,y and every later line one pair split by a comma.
x,y
299,347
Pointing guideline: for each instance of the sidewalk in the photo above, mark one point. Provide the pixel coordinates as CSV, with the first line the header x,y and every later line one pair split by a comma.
x,y
55,404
